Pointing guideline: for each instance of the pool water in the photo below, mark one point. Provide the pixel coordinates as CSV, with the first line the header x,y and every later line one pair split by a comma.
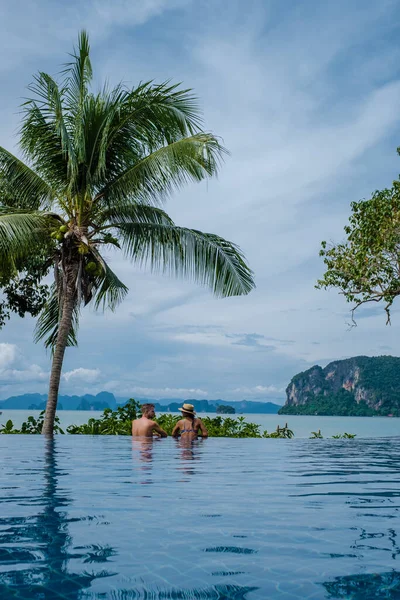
x,y
90,518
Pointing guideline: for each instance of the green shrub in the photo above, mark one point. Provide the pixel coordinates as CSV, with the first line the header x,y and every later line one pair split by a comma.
x,y
119,422
339,436
281,432
316,435
234,428
112,422
30,426
168,421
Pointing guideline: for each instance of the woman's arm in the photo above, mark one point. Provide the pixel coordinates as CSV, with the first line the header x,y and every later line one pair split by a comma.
x,y
202,427
176,430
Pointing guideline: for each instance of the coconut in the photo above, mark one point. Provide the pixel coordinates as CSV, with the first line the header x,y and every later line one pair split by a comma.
x,y
59,236
91,267
64,228
83,249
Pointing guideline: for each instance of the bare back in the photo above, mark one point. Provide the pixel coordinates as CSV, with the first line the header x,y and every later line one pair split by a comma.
x,y
188,429
145,427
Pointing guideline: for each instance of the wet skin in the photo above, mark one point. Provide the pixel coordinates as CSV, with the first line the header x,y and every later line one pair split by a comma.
x,y
146,427
187,423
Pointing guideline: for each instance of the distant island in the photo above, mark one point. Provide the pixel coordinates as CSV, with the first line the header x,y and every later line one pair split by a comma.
x,y
358,386
38,402
223,409
108,400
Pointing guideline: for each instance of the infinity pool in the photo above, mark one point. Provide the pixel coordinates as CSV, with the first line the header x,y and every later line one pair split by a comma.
x,y
90,518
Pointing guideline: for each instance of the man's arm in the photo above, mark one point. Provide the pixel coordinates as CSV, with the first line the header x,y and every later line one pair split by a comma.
x,y
159,430
203,428
176,430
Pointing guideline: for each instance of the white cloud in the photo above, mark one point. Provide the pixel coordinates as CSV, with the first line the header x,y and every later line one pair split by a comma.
x,y
33,373
311,118
57,24
8,353
132,12
169,392
82,375
123,388
16,372
208,339
260,390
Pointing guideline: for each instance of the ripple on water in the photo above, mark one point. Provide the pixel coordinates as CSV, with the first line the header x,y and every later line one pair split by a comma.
x,y
97,518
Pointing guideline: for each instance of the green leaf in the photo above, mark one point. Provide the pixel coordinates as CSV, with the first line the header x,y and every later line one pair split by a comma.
x,y
25,188
20,230
202,257
136,213
153,178
78,76
47,112
110,289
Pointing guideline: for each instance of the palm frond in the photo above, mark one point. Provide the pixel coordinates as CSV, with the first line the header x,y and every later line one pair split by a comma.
x,y
125,125
110,289
134,213
50,103
102,115
25,188
48,322
20,230
157,175
202,257
161,112
98,114
41,144
78,75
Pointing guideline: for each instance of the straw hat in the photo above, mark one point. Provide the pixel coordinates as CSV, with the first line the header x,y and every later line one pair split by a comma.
x,y
188,408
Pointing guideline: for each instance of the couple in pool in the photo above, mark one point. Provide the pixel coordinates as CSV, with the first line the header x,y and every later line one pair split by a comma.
x,y
187,428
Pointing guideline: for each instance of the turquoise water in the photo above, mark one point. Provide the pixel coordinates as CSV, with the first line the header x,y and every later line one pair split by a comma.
x,y
301,425
90,518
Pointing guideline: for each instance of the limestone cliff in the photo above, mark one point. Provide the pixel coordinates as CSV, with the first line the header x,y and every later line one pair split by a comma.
x,y
356,386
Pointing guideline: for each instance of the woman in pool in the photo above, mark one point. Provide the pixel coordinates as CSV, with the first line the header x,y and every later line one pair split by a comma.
x,y
188,427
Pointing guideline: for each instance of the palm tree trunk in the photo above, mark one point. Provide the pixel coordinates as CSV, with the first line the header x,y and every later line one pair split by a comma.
x,y
58,357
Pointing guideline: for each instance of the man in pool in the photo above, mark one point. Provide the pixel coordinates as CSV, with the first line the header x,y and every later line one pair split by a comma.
x,y
145,426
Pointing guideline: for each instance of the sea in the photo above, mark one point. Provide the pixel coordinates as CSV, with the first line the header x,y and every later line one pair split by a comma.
x,y
302,426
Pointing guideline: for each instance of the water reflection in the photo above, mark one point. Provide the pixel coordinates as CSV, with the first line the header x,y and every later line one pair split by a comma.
x,y
385,541
39,546
217,592
239,526
189,451
369,586
142,455
143,448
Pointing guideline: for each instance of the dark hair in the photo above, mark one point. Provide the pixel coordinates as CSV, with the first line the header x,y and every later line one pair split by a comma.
x,y
188,415
146,408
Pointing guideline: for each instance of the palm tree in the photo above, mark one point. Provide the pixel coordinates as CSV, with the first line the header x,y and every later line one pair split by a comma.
x,y
96,168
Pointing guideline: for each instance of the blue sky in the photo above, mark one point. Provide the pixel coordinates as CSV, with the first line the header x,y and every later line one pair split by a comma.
x,y
306,96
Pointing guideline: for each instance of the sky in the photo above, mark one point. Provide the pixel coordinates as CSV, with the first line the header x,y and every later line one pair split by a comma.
x,y
305,95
